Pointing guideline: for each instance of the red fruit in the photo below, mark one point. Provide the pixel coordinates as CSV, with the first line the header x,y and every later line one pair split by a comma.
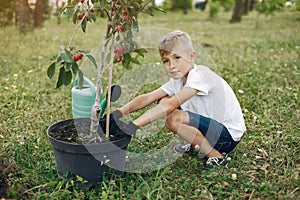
x,y
91,11
79,16
116,51
119,59
120,28
76,58
125,12
80,55
124,18
82,1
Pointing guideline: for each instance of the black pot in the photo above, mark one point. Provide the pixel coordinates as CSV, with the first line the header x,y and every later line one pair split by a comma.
x,y
89,161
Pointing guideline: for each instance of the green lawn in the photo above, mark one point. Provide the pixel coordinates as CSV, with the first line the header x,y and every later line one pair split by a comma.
x,y
260,60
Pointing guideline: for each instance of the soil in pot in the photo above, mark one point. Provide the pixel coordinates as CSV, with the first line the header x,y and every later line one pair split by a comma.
x,y
70,132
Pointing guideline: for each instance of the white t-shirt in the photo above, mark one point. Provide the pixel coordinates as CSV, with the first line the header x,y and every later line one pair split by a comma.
x,y
215,99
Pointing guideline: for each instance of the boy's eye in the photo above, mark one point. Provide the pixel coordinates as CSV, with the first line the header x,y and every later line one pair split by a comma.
x,y
165,61
177,57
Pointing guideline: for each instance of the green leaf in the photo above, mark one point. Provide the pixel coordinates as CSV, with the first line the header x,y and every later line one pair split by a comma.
x,y
59,59
80,79
135,60
69,12
74,19
148,11
69,66
124,7
67,78
127,60
118,38
129,35
158,8
83,25
75,68
51,69
61,77
140,51
135,26
91,16
92,59
85,52
66,56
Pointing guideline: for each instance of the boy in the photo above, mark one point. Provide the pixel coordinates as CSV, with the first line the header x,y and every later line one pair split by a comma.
x,y
197,104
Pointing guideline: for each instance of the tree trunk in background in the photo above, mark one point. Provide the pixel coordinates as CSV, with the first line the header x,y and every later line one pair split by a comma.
x,y
22,15
185,11
238,11
10,13
252,4
39,12
7,12
247,6
174,5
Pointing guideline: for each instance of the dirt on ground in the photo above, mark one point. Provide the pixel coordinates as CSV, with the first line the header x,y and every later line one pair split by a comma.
x,y
5,168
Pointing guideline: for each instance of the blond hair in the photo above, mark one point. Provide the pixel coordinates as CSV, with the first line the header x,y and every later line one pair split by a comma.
x,y
175,38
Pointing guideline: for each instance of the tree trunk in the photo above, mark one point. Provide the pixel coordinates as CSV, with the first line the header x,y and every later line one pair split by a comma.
x,y
247,6
6,12
39,12
185,11
174,5
238,11
22,15
252,4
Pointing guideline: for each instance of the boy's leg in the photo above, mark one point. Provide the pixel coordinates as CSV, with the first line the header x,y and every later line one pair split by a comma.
x,y
178,123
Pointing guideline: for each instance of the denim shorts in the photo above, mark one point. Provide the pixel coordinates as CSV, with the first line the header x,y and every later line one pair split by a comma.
x,y
215,132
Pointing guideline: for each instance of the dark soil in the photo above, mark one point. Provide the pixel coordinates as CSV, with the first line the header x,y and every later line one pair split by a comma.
x,y
5,168
71,133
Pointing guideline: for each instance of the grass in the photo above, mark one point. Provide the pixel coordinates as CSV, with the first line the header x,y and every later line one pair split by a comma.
x,y
259,60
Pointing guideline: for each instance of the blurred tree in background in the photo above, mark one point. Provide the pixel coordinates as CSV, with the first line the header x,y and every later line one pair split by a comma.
x,y
40,12
23,14
32,15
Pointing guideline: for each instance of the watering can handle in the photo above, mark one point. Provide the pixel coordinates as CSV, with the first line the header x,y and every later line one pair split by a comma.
x,y
87,81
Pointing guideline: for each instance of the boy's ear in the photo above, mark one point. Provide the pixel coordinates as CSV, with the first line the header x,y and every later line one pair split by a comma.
x,y
193,56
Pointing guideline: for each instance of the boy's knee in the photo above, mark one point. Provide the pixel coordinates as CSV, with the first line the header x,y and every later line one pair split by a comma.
x,y
173,120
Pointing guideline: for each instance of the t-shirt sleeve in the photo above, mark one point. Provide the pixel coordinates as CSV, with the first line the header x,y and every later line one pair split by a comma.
x,y
197,81
168,88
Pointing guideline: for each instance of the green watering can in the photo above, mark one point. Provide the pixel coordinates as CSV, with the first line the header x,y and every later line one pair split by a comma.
x,y
84,99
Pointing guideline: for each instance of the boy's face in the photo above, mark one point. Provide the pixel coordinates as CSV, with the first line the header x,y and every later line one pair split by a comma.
x,y
178,62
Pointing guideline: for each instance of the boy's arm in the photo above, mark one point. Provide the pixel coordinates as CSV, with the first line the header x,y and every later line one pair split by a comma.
x,y
143,101
166,107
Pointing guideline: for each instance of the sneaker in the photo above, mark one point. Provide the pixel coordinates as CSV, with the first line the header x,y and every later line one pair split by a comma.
x,y
184,148
214,161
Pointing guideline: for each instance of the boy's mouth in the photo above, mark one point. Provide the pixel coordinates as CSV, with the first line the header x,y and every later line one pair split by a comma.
x,y
174,72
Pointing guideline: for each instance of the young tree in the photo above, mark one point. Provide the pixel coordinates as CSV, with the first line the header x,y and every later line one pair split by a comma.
x,y
118,46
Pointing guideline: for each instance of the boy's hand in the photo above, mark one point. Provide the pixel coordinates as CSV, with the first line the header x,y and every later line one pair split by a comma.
x,y
129,128
117,114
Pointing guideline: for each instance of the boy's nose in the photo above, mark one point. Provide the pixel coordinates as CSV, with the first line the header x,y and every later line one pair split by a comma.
x,y
171,65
